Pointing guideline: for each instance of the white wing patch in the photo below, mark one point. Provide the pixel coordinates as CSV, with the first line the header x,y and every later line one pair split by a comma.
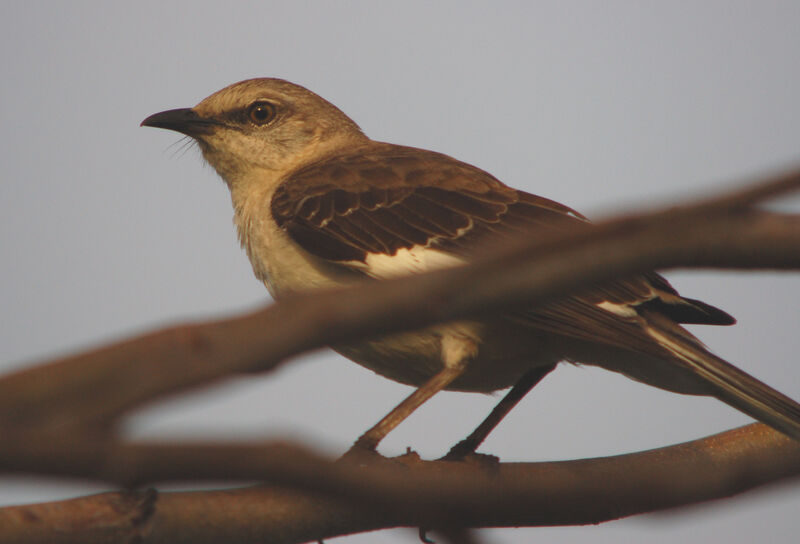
x,y
622,310
405,262
419,259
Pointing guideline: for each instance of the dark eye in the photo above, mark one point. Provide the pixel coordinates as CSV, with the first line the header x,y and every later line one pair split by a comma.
x,y
261,112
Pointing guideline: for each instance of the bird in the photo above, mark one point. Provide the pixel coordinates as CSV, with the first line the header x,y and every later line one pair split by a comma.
x,y
318,204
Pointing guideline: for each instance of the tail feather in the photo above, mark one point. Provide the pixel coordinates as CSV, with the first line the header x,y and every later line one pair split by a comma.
x,y
731,385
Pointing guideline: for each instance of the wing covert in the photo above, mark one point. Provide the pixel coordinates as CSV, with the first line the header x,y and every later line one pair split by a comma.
x,y
390,198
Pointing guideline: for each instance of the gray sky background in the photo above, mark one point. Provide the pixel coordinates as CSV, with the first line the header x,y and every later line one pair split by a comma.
x,y
108,229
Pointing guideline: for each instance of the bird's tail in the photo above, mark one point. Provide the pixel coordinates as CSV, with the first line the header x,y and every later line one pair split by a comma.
x,y
729,384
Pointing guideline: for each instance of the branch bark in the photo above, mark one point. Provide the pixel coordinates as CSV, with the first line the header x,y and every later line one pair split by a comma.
x,y
96,388
329,499
59,418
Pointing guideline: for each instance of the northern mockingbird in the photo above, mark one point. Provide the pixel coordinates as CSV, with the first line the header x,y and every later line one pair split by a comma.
x,y
318,204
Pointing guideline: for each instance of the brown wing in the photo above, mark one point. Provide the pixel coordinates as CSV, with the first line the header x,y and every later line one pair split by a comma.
x,y
393,197
384,198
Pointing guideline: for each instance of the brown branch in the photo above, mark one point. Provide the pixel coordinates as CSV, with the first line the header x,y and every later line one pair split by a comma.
x,y
402,492
97,387
57,418
459,536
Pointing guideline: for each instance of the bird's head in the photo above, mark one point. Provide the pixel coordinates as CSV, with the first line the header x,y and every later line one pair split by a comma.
x,y
261,127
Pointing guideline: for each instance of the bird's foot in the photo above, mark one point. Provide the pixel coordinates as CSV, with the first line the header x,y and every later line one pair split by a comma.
x,y
361,454
464,452
460,451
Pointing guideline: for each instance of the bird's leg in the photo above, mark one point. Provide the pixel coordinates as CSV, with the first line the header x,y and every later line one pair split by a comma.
x,y
520,389
457,350
370,439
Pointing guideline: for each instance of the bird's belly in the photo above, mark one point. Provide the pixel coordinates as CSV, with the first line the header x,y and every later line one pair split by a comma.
x,y
413,358
503,354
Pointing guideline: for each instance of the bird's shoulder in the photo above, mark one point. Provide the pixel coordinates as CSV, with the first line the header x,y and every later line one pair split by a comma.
x,y
378,165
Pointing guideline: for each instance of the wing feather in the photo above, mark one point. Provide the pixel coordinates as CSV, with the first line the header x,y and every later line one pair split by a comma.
x,y
388,198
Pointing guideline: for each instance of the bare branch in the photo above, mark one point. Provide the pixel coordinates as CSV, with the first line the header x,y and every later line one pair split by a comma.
x,y
341,499
97,387
59,418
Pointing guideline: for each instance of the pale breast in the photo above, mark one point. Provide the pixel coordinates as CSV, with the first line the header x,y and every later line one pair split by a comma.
x,y
410,358
277,261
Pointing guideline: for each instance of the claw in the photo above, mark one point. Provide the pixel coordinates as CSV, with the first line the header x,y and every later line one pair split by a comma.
x,y
460,451
359,454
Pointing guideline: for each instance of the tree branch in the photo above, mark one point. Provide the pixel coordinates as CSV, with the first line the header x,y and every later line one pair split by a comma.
x,y
332,498
96,388
59,418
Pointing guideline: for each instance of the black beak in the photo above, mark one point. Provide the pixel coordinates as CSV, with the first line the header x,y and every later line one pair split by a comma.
x,y
183,120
